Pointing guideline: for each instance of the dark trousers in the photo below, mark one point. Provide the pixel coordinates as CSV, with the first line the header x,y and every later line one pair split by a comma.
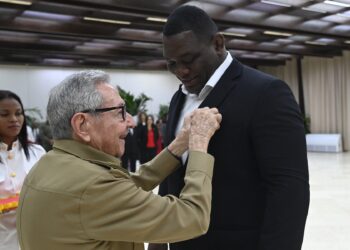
x,y
150,153
129,163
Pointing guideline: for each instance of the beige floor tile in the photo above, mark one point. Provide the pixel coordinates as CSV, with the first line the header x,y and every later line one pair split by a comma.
x,y
328,224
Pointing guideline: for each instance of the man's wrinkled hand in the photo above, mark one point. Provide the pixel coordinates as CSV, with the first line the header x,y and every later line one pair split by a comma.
x,y
204,123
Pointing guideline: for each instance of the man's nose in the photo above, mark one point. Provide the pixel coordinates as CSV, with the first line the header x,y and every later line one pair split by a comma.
x,y
130,123
182,71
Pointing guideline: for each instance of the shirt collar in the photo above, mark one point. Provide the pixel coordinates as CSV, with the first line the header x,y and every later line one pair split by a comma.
x,y
213,80
88,153
4,146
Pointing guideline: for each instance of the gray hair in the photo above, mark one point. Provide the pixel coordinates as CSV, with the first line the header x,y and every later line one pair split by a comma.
x,y
74,94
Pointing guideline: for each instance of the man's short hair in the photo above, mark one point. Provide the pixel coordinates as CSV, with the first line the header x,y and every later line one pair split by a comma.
x,y
187,18
75,93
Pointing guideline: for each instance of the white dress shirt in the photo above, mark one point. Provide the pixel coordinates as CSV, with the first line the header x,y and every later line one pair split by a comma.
x,y
192,101
14,167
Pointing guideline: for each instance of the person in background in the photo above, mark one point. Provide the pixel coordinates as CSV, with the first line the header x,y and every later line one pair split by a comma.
x,y
149,137
131,153
163,128
78,197
139,133
160,126
44,137
261,181
17,156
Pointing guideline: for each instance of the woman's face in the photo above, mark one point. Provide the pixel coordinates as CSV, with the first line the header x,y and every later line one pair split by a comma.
x,y
143,117
11,119
149,120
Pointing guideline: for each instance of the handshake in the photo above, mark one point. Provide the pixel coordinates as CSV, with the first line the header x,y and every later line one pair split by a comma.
x,y
196,132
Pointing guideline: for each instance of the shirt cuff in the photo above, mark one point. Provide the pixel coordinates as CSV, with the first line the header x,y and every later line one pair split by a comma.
x,y
176,157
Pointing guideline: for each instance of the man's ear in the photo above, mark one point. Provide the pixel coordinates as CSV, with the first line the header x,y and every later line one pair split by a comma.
x,y
219,44
80,125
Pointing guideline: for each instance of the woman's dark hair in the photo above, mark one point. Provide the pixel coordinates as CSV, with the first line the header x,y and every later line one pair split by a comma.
x,y
139,119
22,136
152,117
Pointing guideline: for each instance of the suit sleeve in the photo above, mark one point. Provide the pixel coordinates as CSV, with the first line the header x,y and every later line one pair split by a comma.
x,y
278,137
115,209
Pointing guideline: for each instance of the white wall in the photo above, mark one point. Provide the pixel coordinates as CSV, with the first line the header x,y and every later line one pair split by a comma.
x,y
33,84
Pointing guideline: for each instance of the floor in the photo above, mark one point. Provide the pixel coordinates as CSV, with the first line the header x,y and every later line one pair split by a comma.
x,y
328,223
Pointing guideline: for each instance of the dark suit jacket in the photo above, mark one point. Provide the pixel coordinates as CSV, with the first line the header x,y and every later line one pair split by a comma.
x,y
131,153
131,148
260,184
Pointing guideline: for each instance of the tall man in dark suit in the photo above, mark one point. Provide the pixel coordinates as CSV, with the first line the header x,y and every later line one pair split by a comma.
x,y
260,185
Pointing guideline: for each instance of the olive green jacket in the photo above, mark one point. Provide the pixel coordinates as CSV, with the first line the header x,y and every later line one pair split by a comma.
x,y
77,197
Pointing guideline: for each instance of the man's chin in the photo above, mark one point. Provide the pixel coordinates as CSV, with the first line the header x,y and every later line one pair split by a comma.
x,y
120,153
193,90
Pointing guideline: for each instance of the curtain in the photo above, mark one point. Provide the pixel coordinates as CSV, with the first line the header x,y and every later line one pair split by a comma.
x,y
326,83
327,92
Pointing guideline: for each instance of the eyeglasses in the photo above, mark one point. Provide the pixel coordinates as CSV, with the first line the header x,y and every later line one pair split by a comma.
x,y
102,110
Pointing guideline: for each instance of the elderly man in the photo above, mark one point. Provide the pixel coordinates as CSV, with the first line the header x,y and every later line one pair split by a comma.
x,y
79,197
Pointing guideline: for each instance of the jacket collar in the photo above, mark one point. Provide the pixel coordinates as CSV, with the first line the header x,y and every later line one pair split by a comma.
x,y
224,86
88,153
173,115
217,95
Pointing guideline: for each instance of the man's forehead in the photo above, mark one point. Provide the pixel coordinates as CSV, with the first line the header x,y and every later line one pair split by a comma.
x,y
181,35
106,88
180,44
110,94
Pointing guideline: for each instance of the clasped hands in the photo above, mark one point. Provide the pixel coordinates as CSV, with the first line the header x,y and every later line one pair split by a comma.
x,y
198,128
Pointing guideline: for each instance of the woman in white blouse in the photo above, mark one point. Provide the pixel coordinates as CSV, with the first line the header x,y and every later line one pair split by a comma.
x,y
17,157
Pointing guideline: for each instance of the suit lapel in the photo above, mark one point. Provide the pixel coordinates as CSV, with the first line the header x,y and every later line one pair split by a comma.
x,y
224,85
174,113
